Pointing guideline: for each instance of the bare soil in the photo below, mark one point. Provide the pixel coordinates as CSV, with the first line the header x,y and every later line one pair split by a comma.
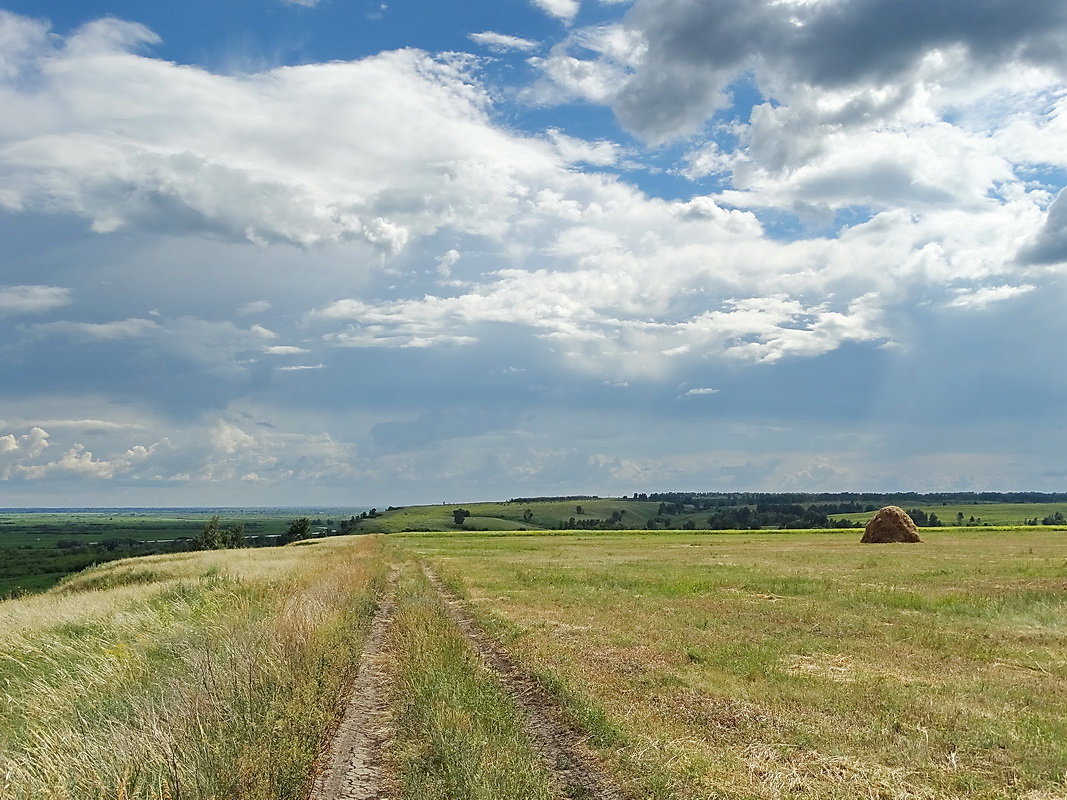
x,y
352,767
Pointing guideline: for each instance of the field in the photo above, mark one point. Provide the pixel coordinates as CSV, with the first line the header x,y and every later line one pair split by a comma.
x,y
545,515
768,665
637,514
549,665
996,514
40,548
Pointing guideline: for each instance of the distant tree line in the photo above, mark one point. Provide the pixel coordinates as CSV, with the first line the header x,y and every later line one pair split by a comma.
x,y
774,515
1051,519
612,523
568,499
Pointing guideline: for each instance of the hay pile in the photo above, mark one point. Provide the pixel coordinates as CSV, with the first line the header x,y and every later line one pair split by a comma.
x,y
891,524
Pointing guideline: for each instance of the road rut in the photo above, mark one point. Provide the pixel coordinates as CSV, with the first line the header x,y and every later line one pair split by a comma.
x,y
577,770
352,767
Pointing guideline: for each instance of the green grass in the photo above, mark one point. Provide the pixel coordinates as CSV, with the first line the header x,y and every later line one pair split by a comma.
x,y
996,514
544,515
458,735
550,515
760,665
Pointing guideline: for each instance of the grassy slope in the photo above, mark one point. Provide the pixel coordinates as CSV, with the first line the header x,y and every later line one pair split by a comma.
x,y
546,515
197,675
769,665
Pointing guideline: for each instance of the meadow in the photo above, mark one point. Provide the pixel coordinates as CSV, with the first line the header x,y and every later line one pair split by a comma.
x,y
750,665
739,665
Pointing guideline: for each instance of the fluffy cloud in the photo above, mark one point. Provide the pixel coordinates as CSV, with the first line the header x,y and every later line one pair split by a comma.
x,y
28,445
212,450
32,299
76,461
380,150
692,50
163,145
563,9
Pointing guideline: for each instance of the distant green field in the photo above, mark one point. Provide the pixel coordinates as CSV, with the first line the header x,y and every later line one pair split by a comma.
x,y
635,514
992,513
544,515
39,548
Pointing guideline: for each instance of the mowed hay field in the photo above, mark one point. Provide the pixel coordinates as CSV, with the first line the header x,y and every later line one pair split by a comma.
x,y
207,676
750,665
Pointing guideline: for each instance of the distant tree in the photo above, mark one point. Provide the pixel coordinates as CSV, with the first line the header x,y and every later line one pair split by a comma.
x,y
959,517
527,515
578,510
689,525
210,538
234,537
459,515
298,529
932,521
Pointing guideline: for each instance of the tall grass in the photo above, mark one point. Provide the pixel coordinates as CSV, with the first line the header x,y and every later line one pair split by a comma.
x,y
208,676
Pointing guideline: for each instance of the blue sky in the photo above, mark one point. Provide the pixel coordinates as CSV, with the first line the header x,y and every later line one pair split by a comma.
x,y
266,252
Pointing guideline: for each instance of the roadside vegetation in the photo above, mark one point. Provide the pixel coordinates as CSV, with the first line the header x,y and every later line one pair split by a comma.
x,y
751,665
199,676
457,734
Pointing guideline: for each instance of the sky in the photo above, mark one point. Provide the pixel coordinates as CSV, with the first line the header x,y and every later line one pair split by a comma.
x,y
286,252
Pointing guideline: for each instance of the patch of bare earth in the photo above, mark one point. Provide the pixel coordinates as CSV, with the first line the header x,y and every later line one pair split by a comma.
x,y
352,767
576,768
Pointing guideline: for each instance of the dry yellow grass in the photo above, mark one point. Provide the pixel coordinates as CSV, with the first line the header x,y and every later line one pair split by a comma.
x,y
209,676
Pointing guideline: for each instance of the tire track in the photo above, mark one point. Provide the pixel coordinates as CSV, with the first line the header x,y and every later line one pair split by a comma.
x,y
352,766
577,770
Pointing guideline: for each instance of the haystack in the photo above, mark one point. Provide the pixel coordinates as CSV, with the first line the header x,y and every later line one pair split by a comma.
x,y
891,524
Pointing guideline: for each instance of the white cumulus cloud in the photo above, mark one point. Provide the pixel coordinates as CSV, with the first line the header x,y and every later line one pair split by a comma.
x,y
563,9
